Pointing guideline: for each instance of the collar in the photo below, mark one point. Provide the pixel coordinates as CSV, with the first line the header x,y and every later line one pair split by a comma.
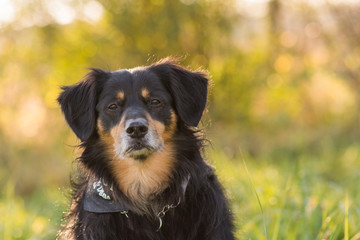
x,y
98,199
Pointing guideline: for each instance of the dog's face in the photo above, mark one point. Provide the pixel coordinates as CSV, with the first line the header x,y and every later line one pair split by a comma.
x,y
135,114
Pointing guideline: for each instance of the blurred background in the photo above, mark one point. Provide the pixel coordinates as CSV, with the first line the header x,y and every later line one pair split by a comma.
x,y
283,116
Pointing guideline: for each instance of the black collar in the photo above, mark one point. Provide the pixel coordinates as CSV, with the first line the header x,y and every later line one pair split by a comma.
x,y
98,198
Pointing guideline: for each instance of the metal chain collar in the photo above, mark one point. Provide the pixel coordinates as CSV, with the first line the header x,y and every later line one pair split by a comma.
x,y
125,213
162,213
97,186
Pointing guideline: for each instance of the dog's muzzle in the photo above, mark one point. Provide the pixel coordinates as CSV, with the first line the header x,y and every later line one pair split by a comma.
x,y
138,140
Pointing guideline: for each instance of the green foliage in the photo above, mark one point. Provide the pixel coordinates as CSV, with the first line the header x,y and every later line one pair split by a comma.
x,y
297,200
33,217
285,94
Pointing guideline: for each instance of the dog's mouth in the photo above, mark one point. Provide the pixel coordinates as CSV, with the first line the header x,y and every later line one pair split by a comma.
x,y
139,151
138,146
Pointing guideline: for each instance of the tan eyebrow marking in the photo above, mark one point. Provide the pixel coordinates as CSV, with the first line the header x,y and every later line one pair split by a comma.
x,y
121,95
145,93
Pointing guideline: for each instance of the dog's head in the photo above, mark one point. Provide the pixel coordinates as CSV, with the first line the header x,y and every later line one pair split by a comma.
x,y
135,112
139,108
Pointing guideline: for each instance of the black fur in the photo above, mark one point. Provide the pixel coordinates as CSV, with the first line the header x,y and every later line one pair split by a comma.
x,y
78,103
203,212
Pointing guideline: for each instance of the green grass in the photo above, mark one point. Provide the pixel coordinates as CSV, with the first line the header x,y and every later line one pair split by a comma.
x,y
299,198
257,198
33,217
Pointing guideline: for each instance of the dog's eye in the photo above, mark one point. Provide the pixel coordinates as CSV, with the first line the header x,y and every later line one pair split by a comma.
x,y
112,106
155,102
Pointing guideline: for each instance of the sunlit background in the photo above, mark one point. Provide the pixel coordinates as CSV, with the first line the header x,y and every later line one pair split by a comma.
x,y
283,116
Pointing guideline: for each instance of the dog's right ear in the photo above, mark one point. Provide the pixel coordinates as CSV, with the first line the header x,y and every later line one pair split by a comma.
x,y
78,103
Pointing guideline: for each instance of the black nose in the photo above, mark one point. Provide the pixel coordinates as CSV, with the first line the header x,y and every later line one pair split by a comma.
x,y
137,128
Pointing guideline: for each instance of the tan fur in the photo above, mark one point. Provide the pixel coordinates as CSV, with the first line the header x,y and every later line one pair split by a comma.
x,y
167,135
121,95
140,180
117,130
145,93
106,138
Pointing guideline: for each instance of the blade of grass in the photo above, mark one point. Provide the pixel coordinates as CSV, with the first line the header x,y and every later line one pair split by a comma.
x,y
346,221
257,197
284,198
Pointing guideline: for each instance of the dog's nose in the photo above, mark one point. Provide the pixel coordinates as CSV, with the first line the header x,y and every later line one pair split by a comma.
x,y
137,128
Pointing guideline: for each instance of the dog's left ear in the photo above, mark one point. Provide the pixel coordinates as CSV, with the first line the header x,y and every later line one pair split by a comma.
x,y
189,89
78,103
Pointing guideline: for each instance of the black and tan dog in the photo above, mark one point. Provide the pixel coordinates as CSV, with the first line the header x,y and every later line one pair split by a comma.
x,y
141,173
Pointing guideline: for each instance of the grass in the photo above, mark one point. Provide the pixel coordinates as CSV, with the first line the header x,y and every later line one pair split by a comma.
x,y
257,198
303,197
34,217
293,199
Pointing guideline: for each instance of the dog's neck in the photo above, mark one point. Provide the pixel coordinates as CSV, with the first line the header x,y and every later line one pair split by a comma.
x,y
142,181
100,197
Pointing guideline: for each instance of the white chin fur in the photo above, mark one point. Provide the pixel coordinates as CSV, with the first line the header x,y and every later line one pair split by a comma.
x,y
151,139
140,153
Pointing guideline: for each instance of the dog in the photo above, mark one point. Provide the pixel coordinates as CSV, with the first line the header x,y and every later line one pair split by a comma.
x,y
141,174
